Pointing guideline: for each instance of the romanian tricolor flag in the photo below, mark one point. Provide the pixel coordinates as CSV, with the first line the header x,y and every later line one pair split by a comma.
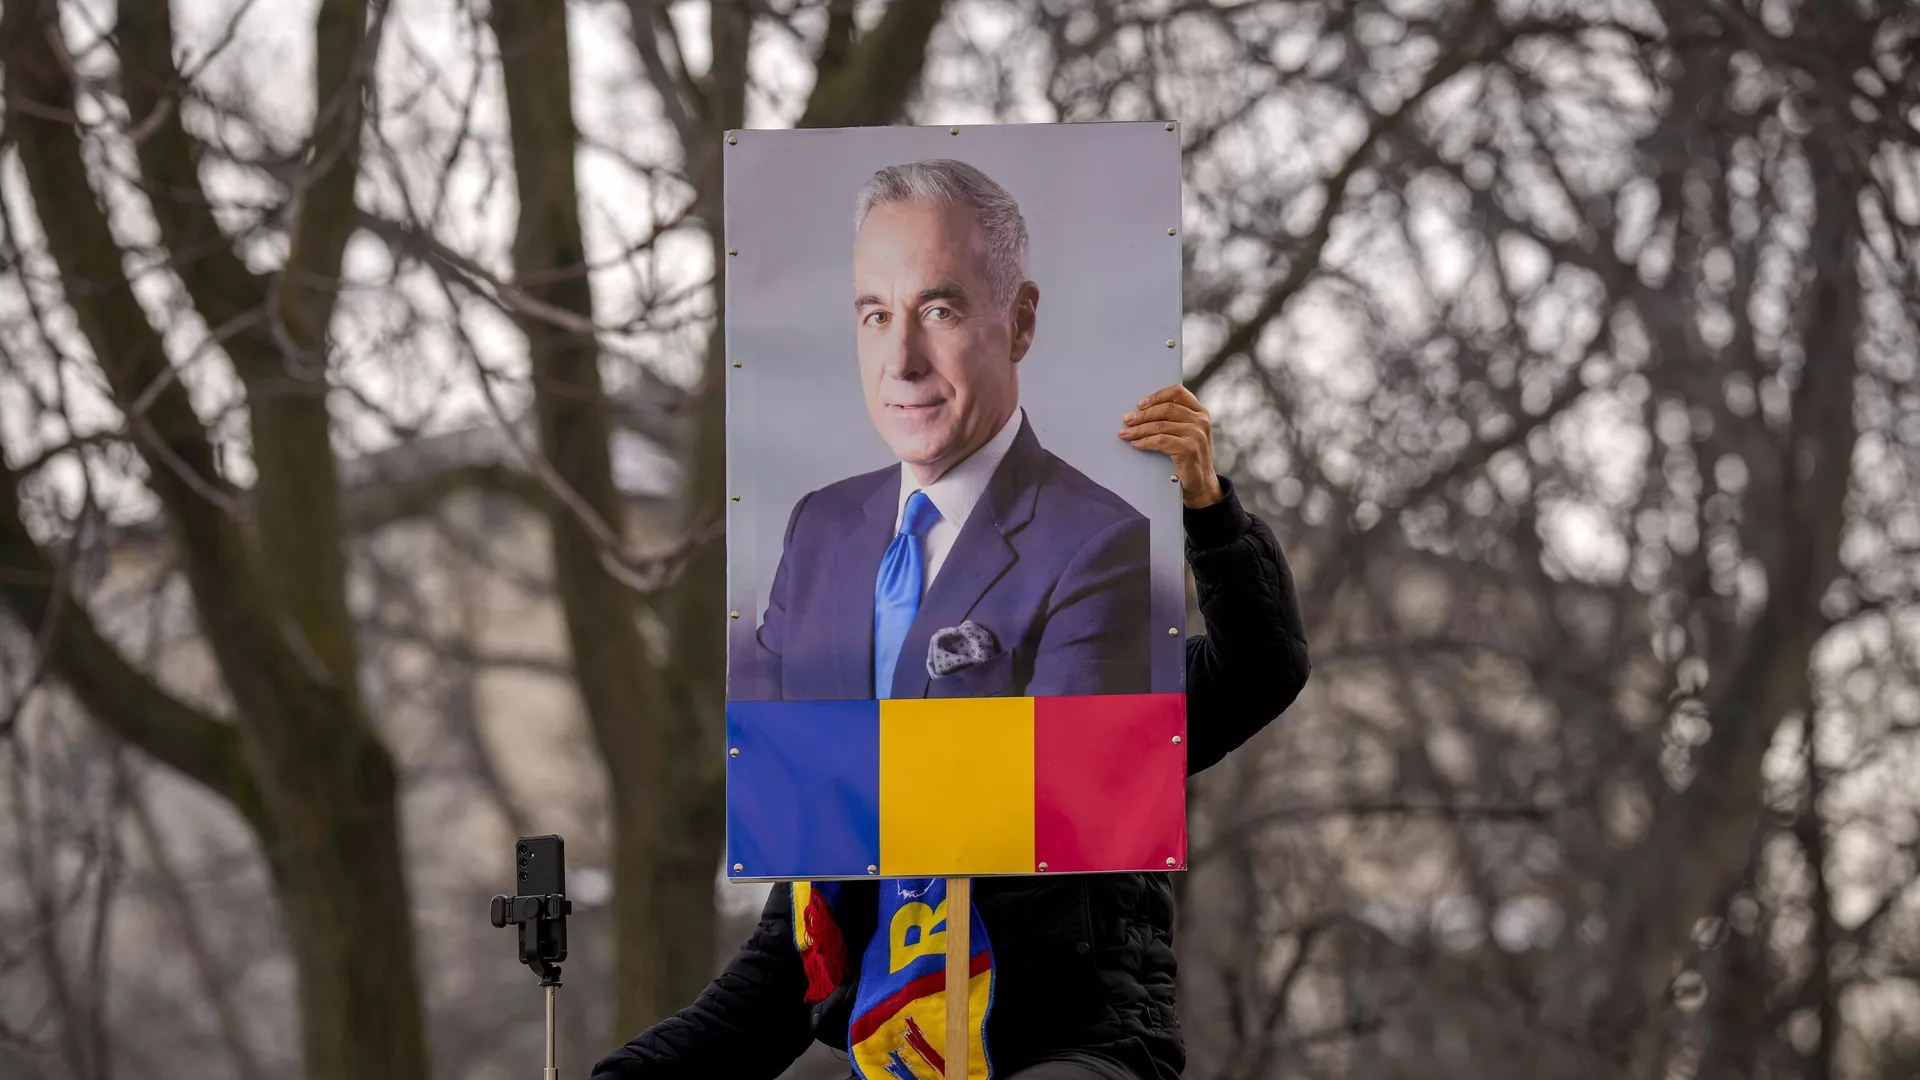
x,y
955,787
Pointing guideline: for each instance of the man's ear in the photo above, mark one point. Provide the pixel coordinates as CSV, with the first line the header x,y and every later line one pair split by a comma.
x,y
1026,313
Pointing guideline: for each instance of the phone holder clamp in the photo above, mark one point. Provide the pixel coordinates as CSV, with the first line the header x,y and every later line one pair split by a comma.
x,y
531,914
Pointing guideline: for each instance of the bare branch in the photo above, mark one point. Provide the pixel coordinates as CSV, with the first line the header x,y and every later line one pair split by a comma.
x,y
873,85
1476,38
118,696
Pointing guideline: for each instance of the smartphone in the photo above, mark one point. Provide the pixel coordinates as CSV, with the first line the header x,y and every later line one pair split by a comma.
x,y
542,871
543,866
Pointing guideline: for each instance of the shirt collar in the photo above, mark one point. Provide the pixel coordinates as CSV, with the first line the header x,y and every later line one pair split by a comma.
x,y
960,488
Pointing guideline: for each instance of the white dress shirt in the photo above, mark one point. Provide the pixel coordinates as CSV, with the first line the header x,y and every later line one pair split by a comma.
x,y
954,495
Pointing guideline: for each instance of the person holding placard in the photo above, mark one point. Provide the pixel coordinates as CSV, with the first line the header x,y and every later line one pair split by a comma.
x,y
1083,966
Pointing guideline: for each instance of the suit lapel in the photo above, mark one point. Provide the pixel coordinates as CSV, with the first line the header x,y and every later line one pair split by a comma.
x,y
856,564
980,555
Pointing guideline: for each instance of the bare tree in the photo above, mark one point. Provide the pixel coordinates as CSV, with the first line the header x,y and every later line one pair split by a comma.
x,y
658,722
293,745
1625,295
297,757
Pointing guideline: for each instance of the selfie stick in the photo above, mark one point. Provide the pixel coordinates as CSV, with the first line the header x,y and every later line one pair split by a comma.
x,y
552,1073
535,916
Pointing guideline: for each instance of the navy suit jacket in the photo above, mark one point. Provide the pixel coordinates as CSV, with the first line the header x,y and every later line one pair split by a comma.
x,y
1052,564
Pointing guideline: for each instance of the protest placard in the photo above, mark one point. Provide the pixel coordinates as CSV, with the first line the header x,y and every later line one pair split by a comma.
x,y
955,636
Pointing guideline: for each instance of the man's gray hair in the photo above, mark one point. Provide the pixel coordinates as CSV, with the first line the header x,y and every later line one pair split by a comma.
x,y
946,182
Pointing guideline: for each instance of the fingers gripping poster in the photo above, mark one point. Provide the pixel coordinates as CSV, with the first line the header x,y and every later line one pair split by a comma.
x,y
956,641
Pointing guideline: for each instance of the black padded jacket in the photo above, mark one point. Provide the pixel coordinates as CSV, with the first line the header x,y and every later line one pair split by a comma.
x,y
1084,964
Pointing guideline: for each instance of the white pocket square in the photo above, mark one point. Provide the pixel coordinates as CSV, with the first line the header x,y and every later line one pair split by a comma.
x,y
958,648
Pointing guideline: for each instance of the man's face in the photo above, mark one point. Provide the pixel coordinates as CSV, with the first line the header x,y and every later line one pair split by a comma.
x,y
937,355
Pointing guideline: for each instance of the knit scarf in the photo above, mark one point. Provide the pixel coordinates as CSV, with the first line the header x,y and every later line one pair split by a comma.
x,y
899,1025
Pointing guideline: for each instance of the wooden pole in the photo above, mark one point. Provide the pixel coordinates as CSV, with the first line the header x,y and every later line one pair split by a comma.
x,y
959,962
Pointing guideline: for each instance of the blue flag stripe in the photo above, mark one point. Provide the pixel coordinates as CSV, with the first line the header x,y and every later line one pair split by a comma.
x,y
803,793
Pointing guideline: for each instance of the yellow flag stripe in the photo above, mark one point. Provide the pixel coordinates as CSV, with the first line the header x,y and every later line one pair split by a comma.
x,y
956,787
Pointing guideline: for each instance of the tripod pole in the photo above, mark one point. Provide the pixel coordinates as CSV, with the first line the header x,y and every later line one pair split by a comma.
x,y
552,1073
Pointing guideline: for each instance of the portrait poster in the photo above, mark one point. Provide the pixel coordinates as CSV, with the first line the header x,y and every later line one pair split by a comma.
x,y
956,608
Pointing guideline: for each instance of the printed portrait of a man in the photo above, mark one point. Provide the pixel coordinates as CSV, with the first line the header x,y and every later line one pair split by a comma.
x,y
977,563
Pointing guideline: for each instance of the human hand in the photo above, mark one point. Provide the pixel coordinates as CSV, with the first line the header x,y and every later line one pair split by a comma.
x,y
1174,422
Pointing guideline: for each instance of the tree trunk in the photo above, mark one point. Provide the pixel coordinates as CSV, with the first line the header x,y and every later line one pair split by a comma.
x,y
1709,827
307,769
341,882
658,727
651,733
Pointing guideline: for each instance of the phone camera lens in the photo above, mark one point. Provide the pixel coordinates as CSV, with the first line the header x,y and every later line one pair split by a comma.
x,y
523,875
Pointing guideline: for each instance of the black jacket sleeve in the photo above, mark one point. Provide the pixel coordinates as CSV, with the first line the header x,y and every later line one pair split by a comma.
x,y
749,1024
1252,661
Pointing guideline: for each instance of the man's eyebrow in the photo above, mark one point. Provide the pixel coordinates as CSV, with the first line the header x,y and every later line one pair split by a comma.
x,y
948,291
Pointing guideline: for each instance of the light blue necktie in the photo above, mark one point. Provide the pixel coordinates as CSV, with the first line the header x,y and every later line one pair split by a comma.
x,y
896,591
896,600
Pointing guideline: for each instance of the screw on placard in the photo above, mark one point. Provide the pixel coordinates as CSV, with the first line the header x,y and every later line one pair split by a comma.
x,y
735,752
736,498
1171,861
1170,343
1169,125
733,140
1172,631
737,867
1170,231
1176,742
953,131
1043,868
733,614
872,869
733,251
736,363
1175,478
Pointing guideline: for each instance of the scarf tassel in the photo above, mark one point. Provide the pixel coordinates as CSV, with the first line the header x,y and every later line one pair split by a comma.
x,y
826,957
